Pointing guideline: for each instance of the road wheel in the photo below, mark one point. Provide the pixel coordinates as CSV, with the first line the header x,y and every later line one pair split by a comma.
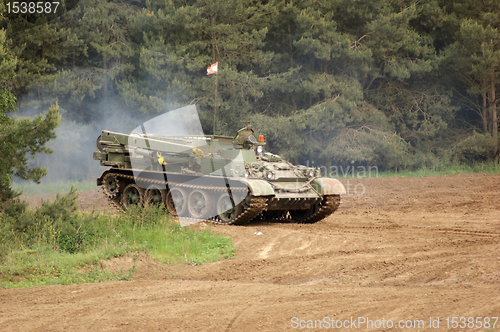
x,y
132,195
200,204
177,201
155,195
227,210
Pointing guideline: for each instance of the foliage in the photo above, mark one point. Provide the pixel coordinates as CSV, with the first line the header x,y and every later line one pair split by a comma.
x,y
396,83
55,244
55,224
476,147
475,57
18,137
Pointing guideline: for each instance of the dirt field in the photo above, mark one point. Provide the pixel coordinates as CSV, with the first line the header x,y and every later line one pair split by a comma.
x,y
407,249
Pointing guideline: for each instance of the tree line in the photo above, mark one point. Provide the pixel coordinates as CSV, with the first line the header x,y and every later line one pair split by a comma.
x,y
391,83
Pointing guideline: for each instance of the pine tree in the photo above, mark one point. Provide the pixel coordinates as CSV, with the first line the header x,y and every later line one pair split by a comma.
x,y
18,137
475,57
181,39
334,54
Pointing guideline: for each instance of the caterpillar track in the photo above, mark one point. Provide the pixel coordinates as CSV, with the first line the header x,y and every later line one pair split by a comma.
x,y
112,183
326,207
250,209
329,205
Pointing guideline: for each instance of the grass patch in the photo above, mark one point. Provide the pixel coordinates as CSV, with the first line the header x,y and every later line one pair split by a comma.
x,y
165,240
43,266
347,172
490,168
56,245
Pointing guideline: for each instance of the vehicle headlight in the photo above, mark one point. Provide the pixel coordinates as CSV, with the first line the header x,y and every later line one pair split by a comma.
x,y
270,175
260,149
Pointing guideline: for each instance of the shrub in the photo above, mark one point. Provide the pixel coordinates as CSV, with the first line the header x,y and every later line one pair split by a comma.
x,y
477,147
54,223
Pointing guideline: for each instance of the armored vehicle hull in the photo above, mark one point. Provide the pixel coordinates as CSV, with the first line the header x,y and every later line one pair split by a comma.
x,y
228,180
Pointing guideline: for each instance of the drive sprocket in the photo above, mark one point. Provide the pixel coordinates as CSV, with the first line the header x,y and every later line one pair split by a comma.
x,y
111,186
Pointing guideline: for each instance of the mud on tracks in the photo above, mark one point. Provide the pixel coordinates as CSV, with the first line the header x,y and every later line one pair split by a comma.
x,y
409,248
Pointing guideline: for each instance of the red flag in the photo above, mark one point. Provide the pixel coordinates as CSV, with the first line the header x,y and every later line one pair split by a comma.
x,y
212,69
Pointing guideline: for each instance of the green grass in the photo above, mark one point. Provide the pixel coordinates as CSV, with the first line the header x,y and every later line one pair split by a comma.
x,y
30,187
167,241
490,168
43,266
49,252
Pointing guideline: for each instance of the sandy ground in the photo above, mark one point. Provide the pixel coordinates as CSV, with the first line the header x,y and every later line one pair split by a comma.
x,y
398,249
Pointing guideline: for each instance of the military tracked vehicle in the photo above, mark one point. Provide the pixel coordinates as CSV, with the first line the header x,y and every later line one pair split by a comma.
x,y
230,180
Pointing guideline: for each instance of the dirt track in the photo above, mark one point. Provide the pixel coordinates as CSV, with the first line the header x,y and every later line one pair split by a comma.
x,y
408,249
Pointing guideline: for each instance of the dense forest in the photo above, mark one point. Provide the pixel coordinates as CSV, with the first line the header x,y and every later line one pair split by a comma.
x,y
392,83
